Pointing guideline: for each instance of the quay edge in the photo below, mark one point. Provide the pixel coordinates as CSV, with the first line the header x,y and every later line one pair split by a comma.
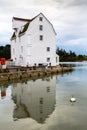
x,y
30,74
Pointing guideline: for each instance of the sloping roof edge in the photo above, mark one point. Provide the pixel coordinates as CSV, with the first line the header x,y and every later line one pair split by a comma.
x,y
21,19
48,21
27,25
13,36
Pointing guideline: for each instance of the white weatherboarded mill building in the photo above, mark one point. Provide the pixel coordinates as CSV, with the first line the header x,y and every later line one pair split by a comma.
x,y
33,42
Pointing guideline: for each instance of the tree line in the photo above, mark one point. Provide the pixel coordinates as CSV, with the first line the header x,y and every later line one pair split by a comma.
x,y
69,56
5,52
64,56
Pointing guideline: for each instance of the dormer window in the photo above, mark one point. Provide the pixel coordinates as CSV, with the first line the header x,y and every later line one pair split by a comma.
x,y
40,18
15,29
22,28
15,39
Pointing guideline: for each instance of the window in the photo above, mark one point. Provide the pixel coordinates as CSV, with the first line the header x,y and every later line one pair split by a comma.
x,y
41,27
13,51
41,100
48,89
41,37
15,39
29,50
41,110
48,59
19,39
56,60
48,48
21,49
40,18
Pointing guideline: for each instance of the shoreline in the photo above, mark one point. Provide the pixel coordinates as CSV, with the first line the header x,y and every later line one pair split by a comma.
x,y
30,74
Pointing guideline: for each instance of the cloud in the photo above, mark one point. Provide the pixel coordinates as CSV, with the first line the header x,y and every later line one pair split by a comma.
x,y
65,3
71,25
68,18
79,2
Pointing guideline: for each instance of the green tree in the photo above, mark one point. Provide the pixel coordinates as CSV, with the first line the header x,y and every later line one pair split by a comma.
x,y
5,52
69,56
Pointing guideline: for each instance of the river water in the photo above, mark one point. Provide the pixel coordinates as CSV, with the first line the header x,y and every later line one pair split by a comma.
x,y
44,104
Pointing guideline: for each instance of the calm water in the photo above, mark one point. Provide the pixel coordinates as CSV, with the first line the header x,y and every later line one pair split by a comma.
x,y
44,104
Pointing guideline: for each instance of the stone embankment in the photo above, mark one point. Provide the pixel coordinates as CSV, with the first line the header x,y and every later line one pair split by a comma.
x,y
32,73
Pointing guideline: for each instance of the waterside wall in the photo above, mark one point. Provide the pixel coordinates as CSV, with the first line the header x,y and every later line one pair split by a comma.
x,y
30,74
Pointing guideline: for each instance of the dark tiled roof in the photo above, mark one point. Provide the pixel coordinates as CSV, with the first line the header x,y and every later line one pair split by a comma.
x,y
25,27
21,19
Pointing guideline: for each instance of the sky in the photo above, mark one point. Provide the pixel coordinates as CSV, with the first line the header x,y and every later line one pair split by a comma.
x,y
69,18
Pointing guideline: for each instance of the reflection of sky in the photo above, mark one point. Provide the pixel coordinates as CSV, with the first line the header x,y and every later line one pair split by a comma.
x,y
6,106
72,116
66,116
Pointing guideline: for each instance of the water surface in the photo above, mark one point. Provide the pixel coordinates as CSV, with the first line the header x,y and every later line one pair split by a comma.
x,y
44,104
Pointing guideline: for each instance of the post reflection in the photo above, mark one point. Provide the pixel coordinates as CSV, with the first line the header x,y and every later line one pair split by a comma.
x,y
34,99
2,92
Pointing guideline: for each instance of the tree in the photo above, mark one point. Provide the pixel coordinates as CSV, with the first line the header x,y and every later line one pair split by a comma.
x,y
5,52
71,56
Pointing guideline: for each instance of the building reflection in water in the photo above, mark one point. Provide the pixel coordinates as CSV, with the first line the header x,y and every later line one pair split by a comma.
x,y
34,99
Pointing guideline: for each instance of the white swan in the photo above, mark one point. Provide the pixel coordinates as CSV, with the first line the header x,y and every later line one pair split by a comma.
x,y
72,99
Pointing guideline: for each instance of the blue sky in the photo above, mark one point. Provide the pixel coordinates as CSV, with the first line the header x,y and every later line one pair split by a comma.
x,y
69,18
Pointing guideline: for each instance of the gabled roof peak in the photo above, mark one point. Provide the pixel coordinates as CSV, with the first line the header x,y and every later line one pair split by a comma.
x,y
25,27
23,19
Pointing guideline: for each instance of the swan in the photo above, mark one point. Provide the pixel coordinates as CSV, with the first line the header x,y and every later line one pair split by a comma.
x,y
72,99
